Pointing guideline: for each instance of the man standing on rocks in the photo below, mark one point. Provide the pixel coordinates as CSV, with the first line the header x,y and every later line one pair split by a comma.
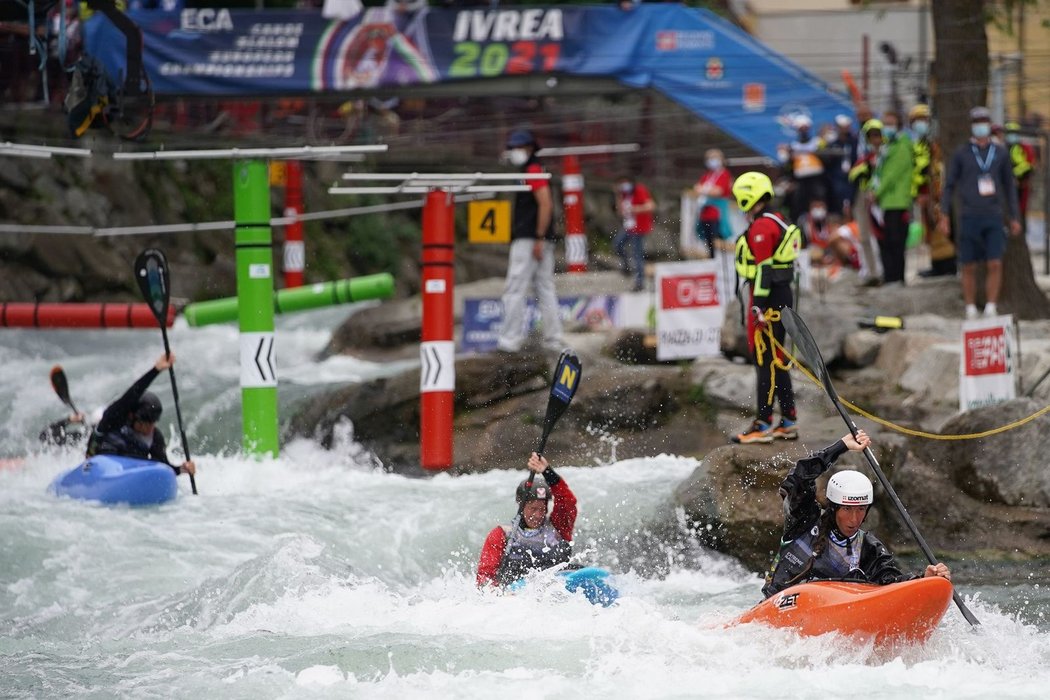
x,y
765,257
531,253
980,173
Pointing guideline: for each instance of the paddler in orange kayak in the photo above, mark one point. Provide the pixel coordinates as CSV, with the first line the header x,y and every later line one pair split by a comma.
x,y
822,544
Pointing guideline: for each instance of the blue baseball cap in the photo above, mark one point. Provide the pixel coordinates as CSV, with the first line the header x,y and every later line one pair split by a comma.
x,y
521,137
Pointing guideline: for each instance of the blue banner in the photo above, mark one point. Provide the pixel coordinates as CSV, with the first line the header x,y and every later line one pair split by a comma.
x,y
482,318
695,58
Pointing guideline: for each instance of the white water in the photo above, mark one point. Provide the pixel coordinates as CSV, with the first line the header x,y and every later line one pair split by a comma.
x,y
317,576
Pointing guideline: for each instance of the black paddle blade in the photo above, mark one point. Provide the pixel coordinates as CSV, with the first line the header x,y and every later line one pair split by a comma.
x,y
151,273
567,375
807,348
60,385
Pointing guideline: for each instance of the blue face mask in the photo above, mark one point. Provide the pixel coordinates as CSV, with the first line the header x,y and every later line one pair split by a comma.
x,y
888,132
921,128
981,130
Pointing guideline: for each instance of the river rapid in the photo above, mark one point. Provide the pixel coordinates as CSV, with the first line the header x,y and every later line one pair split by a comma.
x,y
319,575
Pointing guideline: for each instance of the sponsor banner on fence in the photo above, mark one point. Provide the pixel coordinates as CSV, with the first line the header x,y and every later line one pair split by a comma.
x,y
482,318
689,309
693,56
988,363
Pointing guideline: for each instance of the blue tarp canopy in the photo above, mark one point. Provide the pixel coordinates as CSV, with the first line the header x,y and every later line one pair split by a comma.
x,y
692,56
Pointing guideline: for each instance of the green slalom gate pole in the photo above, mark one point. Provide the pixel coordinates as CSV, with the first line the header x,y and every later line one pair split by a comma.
x,y
312,296
251,204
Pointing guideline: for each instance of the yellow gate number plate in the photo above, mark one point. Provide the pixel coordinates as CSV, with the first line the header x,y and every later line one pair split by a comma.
x,y
488,221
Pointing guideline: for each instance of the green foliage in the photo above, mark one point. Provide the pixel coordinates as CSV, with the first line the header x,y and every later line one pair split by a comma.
x,y
377,242
696,396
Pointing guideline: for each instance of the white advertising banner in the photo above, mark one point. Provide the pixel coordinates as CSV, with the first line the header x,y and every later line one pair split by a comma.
x,y
988,363
689,309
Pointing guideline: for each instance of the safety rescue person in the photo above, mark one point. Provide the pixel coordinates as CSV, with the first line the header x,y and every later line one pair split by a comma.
x,y
765,259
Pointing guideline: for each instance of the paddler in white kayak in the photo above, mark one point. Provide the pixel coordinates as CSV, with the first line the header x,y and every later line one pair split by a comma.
x,y
830,544
129,425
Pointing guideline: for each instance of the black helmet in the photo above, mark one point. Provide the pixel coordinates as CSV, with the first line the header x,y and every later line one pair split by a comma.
x,y
537,491
148,409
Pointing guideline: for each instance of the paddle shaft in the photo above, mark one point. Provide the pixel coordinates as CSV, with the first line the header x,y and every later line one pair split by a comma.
x,y
178,409
874,464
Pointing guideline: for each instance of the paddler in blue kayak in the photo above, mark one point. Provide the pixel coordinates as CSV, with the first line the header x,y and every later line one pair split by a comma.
x,y
536,541
829,543
129,425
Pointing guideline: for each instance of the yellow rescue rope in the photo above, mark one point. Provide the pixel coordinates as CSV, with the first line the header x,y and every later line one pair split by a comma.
x,y
900,428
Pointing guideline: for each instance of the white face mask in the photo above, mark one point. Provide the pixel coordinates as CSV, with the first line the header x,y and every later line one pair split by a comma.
x,y
713,163
626,187
818,213
981,130
518,156
831,137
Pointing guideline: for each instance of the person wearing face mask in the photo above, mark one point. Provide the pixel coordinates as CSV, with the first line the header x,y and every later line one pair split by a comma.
x,y
531,263
980,174
892,191
635,207
837,150
713,190
1022,158
805,167
925,190
829,544
535,541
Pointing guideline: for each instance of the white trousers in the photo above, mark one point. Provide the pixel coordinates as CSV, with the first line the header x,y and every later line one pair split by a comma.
x,y
525,271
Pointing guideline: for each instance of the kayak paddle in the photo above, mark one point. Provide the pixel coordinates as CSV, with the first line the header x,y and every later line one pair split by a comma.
x,y
567,375
810,353
151,273
61,386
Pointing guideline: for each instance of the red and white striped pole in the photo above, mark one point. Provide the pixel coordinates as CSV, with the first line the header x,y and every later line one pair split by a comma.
x,y
294,248
572,203
437,352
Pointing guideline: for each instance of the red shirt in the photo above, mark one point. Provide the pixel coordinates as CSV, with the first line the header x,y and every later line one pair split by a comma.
x,y
562,517
643,220
720,184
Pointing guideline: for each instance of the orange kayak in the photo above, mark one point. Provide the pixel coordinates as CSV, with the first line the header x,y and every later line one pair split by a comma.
x,y
899,612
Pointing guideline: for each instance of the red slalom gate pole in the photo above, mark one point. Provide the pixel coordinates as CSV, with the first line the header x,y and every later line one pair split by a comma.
x,y
437,352
100,315
572,203
294,248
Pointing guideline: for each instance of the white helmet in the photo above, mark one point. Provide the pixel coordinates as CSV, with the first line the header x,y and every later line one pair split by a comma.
x,y
850,488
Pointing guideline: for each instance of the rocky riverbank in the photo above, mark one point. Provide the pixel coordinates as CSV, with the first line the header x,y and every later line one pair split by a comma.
x,y
989,496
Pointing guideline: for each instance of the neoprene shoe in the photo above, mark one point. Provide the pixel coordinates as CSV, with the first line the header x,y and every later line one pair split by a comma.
x,y
757,432
785,430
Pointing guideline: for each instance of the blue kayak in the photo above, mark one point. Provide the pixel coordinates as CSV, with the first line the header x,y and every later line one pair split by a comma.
x,y
114,479
590,580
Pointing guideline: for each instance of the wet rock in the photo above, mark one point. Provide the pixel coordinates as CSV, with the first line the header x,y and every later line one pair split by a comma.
x,y
1007,468
861,348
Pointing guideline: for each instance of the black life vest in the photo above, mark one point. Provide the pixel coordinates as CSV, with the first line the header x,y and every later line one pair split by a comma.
x,y
532,550
796,563
125,442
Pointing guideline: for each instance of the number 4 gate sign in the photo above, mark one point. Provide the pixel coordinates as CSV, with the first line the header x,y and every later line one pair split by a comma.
x,y
988,364
689,309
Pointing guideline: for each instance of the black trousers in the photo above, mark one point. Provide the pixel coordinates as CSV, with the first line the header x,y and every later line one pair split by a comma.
x,y
891,247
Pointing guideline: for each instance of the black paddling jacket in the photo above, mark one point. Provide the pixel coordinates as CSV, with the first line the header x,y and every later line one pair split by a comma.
x,y
114,434
795,562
